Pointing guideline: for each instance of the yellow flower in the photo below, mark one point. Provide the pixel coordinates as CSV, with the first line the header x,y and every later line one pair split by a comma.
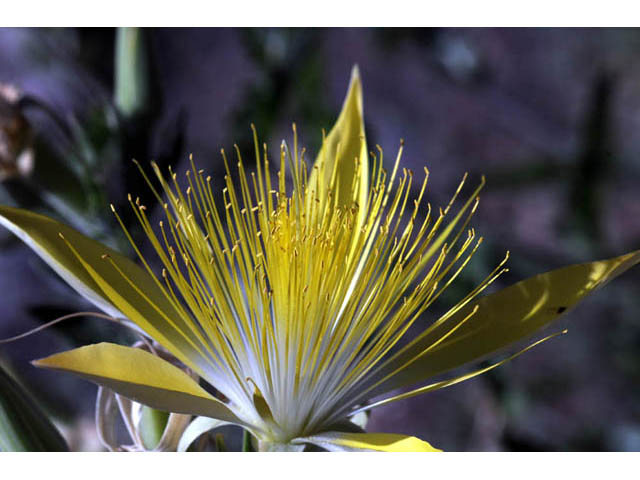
x,y
291,300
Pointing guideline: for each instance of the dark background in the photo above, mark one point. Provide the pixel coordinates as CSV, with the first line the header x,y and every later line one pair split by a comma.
x,y
548,115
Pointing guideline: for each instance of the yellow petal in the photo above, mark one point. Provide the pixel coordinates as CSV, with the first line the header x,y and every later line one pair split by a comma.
x,y
345,143
455,380
502,318
141,376
98,273
368,442
123,283
42,235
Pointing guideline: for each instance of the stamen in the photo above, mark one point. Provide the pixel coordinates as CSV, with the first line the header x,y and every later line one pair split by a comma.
x,y
300,293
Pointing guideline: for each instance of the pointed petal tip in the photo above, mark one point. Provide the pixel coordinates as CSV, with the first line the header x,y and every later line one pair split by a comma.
x,y
49,361
53,360
356,81
43,362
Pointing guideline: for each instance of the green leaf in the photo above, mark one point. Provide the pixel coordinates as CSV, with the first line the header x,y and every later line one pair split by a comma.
x,y
131,81
368,442
345,144
141,376
24,427
502,318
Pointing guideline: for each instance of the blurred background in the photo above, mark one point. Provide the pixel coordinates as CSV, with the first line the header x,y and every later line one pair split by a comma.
x,y
548,115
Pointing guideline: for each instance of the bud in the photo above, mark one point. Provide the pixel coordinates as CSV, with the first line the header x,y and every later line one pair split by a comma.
x,y
131,83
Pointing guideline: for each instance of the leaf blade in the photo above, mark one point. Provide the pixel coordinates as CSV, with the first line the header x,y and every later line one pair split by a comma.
x,y
24,427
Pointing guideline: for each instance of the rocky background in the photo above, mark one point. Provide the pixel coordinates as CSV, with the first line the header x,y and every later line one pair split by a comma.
x,y
548,115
